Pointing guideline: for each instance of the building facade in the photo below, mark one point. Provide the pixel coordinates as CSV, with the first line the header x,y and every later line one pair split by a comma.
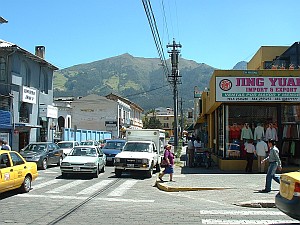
x,y
93,112
254,104
26,95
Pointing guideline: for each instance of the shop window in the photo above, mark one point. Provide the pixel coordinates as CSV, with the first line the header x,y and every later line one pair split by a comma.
x,y
290,149
244,122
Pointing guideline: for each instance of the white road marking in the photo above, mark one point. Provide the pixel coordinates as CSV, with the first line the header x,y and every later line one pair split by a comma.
x,y
220,221
119,191
28,195
44,184
244,213
66,186
95,187
50,172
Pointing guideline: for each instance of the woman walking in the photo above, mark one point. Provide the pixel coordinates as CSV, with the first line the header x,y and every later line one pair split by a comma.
x,y
169,157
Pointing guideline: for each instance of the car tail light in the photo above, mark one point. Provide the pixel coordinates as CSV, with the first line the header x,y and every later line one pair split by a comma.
x,y
297,189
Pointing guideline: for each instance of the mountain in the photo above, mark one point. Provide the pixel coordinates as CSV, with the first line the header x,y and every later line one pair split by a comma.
x,y
242,65
141,80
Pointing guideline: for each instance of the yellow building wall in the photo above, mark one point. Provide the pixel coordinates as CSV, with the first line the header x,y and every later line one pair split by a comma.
x,y
265,53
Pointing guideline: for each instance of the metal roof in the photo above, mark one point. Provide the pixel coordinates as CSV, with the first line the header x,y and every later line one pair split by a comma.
x,y
5,45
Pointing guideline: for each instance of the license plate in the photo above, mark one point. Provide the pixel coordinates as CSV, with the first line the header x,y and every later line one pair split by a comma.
x,y
130,165
76,168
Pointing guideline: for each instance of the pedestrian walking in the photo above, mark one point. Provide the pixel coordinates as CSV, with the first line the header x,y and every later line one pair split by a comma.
x,y
191,150
260,151
169,157
250,149
1,143
5,146
274,164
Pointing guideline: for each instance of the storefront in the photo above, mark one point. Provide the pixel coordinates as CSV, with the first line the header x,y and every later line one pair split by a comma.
x,y
253,105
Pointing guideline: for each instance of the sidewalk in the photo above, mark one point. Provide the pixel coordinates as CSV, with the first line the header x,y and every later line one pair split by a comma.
x,y
237,187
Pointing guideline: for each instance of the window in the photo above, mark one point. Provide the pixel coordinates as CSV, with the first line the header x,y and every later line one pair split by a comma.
x,y
17,160
4,160
2,69
25,72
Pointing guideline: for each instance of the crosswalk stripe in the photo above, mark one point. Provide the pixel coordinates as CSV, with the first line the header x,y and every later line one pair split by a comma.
x,y
244,213
44,184
119,191
95,187
66,186
28,195
221,221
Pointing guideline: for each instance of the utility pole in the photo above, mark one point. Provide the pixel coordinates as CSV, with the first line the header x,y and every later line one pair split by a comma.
x,y
174,79
181,118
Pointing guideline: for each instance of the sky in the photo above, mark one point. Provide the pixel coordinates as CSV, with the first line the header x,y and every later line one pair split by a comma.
x,y
219,33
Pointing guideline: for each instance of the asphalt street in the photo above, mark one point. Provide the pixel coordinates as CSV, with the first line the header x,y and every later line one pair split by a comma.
x,y
221,199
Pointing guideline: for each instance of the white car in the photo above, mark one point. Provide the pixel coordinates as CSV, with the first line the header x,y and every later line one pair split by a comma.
x,y
84,160
67,146
90,143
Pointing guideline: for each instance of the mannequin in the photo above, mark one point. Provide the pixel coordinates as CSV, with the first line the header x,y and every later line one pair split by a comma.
x,y
259,132
234,132
246,132
271,133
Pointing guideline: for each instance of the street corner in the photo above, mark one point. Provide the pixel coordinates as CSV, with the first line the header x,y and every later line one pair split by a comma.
x,y
172,187
257,204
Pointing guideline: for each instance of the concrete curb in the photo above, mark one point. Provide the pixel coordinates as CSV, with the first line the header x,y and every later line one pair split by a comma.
x,y
164,187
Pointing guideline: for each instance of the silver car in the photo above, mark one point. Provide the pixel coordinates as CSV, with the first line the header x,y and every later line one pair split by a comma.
x,y
84,160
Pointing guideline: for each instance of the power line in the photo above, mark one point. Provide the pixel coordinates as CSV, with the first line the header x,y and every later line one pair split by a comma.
x,y
155,34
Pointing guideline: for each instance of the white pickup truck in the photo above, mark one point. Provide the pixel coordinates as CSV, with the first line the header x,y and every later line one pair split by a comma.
x,y
140,153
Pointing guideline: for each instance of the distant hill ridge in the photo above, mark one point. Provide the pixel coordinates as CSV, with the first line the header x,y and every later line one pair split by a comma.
x,y
141,80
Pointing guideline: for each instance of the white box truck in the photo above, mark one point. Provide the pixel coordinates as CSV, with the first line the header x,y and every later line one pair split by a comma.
x,y
143,151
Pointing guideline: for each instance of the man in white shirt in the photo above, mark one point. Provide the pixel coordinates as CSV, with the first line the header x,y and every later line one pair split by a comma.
x,y
261,150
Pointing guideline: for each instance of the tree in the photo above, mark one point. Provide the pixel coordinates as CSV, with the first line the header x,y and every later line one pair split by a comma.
x,y
152,122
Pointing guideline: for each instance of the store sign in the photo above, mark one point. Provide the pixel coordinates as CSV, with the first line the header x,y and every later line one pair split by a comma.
x,y
28,95
258,89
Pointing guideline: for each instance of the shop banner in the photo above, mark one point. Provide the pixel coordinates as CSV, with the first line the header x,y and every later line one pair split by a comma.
x,y
258,89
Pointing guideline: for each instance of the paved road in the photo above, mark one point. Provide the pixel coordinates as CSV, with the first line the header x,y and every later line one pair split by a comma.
x,y
128,200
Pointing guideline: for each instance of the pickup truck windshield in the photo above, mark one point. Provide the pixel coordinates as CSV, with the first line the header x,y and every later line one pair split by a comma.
x,y
137,147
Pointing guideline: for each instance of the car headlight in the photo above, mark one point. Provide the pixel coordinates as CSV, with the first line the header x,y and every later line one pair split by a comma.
x,y
36,158
90,164
65,164
117,160
145,161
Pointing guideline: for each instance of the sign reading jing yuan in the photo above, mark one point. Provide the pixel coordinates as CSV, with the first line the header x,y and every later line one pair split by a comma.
x,y
257,89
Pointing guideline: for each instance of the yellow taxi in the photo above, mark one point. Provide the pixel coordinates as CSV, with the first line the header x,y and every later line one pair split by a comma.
x,y
288,198
15,172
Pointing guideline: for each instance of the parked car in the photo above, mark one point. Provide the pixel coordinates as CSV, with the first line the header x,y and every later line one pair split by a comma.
x,y
112,148
15,172
288,198
90,143
43,154
84,160
67,146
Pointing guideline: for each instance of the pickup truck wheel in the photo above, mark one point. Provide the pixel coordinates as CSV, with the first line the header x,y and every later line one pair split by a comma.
x,y
118,172
157,168
149,173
